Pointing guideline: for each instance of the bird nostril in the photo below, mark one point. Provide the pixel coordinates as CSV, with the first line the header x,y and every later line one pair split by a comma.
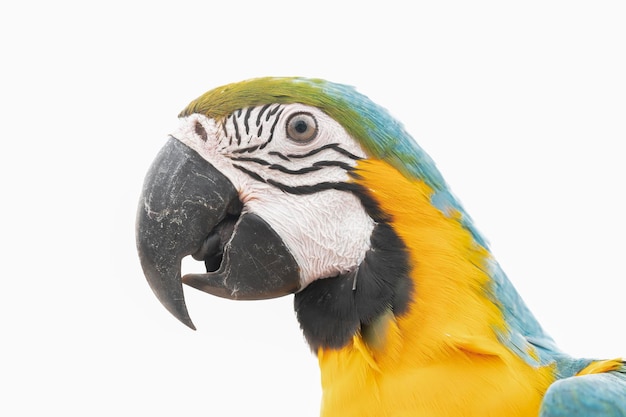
x,y
201,131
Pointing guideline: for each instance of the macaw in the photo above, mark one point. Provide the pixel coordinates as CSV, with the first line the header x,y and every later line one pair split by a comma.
x,y
306,187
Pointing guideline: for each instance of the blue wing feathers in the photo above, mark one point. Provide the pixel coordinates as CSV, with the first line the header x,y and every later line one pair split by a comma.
x,y
595,395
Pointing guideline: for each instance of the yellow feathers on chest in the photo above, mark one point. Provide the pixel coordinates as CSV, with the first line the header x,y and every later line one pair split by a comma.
x,y
443,357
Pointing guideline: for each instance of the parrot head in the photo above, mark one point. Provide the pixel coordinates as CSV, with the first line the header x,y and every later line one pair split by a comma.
x,y
278,185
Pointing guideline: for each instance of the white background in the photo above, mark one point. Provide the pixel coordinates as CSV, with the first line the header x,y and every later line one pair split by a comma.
x,y
523,107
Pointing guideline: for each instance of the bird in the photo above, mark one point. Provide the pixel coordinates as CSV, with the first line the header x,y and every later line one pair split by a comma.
x,y
293,185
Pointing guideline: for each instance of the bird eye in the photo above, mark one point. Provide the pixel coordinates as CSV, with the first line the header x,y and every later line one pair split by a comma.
x,y
301,127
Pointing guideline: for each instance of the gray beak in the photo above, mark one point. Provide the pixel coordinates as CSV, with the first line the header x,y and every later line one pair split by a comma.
x,y
188,207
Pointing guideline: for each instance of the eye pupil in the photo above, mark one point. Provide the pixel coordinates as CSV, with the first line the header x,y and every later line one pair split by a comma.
x,y
301,127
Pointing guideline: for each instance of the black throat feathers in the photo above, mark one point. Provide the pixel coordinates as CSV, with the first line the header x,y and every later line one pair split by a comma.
x,y
332,310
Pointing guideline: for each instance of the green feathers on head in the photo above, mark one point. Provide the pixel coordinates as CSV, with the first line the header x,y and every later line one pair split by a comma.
x,y
380,134
222,101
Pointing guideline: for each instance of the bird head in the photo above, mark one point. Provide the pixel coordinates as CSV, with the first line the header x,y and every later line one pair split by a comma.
x,y
276,184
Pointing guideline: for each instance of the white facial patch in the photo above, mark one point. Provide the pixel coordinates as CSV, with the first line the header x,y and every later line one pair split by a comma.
x,y
328,232
290,164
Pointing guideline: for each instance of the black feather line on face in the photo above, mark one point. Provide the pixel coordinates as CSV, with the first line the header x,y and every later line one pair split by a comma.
x,y
258,117
245,120
332,310
334,146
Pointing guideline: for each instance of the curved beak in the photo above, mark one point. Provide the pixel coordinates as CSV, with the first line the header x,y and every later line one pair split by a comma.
x,y
188,207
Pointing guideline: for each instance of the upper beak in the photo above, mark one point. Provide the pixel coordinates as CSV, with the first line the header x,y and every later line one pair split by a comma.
x,y
188,207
